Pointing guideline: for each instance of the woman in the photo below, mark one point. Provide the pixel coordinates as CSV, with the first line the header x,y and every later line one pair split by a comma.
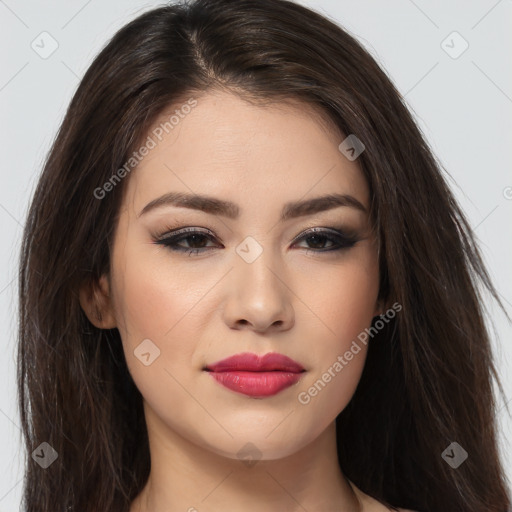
x,y
245,284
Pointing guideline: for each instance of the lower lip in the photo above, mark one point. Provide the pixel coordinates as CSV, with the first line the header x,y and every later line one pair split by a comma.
x,y
256,384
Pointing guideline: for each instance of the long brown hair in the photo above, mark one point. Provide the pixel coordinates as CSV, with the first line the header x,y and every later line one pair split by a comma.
x,y
429,374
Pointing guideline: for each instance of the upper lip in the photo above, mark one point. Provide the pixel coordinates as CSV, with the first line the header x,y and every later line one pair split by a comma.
x,y
255,363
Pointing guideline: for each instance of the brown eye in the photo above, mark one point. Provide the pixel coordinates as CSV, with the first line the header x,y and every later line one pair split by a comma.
x,y
196,241
318,238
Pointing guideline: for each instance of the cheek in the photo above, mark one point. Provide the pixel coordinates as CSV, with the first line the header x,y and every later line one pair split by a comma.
x,y
155,303
342,298
352,305
327,392
344,307
153,294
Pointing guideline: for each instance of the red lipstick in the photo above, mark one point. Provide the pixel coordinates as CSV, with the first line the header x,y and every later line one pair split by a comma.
x,y
254,375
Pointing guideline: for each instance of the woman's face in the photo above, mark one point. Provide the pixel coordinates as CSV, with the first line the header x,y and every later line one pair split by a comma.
x,y
253,283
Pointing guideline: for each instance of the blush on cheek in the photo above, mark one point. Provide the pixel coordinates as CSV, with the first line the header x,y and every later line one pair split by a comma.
x,y
346,314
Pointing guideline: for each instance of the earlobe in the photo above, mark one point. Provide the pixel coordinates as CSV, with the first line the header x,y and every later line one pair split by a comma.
x,y
96,302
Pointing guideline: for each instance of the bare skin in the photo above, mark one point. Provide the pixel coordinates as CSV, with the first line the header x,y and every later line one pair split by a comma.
x,y
199,308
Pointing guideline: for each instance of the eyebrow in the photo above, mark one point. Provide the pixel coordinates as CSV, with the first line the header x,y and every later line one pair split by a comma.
x,y
231,210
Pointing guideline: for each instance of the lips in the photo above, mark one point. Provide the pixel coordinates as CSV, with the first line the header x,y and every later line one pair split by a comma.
x,y
256,376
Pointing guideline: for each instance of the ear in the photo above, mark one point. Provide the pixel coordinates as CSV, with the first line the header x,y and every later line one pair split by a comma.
x,y
96,302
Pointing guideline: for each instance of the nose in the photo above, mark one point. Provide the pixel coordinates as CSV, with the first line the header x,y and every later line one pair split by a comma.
x,y
258,297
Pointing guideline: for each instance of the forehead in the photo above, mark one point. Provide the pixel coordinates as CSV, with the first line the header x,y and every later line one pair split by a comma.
x,y
226,146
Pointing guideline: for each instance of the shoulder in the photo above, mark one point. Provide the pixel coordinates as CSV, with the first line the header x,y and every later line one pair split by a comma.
x,y
370,504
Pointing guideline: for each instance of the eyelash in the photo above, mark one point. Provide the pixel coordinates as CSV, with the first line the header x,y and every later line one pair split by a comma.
x,y
170,239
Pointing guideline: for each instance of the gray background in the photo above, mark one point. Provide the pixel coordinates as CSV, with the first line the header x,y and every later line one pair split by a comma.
x,y
463,106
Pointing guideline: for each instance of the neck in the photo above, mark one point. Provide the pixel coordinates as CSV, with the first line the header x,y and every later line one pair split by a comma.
x,y
187,477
